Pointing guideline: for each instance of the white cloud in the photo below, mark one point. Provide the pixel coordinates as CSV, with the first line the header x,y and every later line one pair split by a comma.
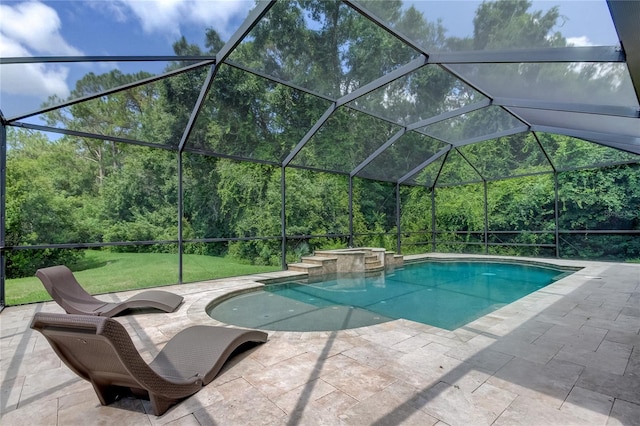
x,y
169,16
34,80
33,29
35,26
579,41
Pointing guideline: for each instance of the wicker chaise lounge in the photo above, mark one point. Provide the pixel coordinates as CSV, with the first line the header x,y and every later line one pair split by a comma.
x,y
100,350
63,287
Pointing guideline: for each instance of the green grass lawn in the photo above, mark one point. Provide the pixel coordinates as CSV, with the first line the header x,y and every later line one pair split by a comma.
x,y
106,272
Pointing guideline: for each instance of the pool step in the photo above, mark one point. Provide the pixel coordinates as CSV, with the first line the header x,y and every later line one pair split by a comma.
x,y
314,271
372,263
328,263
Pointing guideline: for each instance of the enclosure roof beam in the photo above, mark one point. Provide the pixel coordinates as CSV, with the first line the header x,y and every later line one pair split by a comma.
x,y
229,156
378,151
309,135
496,135
626,16
540,55
614,110
379,22
475,169
384,80
424,164
622,142
255,16
278,80
597,165
252,20
88,135
544,151
198,106
79,59
450,114
108,92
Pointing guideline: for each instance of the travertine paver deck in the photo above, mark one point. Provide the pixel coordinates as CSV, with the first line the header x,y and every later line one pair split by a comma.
x,y
568,354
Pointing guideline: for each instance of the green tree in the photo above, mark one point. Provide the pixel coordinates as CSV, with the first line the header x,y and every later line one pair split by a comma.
x,y
509,24
139,200
43,200
132,114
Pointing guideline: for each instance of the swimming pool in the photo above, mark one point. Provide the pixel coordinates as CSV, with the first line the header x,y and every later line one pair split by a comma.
x,y
443,294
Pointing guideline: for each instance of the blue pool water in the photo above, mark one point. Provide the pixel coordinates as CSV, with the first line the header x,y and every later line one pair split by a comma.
x,y
443,294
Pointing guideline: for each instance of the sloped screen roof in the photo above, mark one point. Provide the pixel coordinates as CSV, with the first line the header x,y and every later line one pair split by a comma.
x,y
411,92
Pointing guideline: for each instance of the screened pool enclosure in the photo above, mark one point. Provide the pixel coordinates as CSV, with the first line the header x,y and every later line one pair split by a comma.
x,y
498,127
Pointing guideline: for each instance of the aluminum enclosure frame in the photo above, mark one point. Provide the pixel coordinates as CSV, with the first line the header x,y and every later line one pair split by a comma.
x,y
625,15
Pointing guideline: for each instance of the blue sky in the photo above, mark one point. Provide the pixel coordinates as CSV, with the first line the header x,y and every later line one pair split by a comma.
x,y
587,22
100,28
149,27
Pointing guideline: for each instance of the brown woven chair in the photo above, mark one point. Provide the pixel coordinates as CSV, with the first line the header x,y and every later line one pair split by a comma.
x,y
100,350
63,287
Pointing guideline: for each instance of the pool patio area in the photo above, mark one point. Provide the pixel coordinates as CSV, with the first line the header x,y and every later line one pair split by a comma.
x,y
567,354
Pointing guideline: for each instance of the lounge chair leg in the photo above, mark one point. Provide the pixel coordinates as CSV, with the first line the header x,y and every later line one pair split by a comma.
x,y
107,394
159,404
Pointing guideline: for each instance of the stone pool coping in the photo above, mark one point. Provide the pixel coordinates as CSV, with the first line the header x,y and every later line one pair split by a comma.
x,y
566,354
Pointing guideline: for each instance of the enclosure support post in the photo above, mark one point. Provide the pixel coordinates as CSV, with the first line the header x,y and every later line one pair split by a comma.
x,y
486,220
399,234
283,216
3,188
557,213
350,211
433,218
180,217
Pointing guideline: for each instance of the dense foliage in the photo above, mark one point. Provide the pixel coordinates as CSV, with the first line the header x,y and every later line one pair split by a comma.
x,y
70,189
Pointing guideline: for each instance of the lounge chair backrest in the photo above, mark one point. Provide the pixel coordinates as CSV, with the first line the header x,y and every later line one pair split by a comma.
x,y
63,287
100,350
